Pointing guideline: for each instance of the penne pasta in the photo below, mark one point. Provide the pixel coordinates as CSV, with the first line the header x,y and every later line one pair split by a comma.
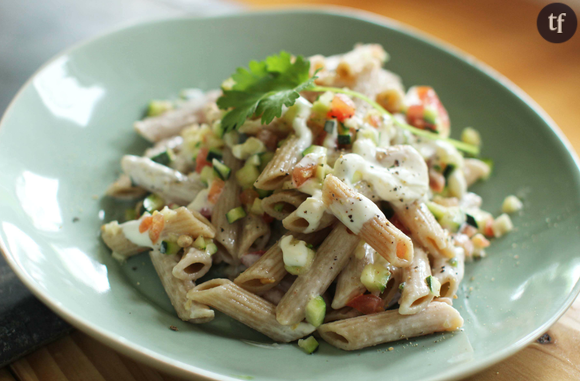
x,y
341,314
307,220
183,221
247,308
168,183
124,189
194,264
331,257
279,168
383,327
416,294
348,283
281,204
449,272
177,290
366,220
425,229
114,238
255,234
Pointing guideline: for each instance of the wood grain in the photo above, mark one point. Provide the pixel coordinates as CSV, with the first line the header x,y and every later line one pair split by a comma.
x,y
499,33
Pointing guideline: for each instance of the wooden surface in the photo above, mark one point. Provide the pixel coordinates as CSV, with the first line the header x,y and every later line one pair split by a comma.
x,y
500,33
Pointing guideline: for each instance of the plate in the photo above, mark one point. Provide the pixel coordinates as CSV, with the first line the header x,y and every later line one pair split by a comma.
x,y
62,137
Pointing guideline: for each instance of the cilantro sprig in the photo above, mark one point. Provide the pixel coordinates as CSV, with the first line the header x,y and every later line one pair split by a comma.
x,y
266,86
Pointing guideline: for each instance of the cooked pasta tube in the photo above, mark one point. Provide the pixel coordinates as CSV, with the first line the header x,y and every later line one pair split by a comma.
x,y
341,314
255,234
308,220
114,238
183,221
269,270
348,283
193,264
170,123
331,257
449,272
247,308
168,183
281,204
173,143
279,168
383,327
228,234
177,290
392,293
425,229
124,189
416,294
367,221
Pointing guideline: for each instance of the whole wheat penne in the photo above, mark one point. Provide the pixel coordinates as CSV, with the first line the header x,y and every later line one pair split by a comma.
x,y
177,290
228,234
269,270
170,184
193,264
360,59
183,221
172,122
281,165
281,204
449,272
255,234
331,257
425,229
416,294
367,221
247,308
124,189
114,238
173,143
308,219
341,314
348,283
383,327
391,294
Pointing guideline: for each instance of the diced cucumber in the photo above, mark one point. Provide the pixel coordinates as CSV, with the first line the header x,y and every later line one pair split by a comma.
x,y
164,158
375,277
156,107
434,285
199,243
222,170
214,153
263,193
315,311
235,214
206,175
265,158
329,126
169,248
211,248
342,129
314,149
470,220
247,175
152,203
344,139
309,345
218,130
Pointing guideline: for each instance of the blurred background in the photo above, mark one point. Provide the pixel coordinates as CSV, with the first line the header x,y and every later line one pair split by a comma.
x,y
500,33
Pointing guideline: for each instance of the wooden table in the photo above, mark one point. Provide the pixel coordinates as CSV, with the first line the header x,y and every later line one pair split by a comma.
x,y
502,34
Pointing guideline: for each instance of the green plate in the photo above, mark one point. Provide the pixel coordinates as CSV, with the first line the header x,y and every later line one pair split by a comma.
x,y
63,136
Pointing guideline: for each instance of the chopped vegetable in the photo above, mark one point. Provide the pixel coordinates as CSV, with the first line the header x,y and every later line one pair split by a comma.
x,y
330,126
470,220
158,107
425,110
511,204
315,311
217,186
341,108
301,174
314,149
247,175
248,196
434,285
214,153
502,225
206,175
375,277
199,243
471,136
169,248
200,160
308,345
265,158
164,158
222,170
152,202
296,255
211,248
235,214
251,146
367,304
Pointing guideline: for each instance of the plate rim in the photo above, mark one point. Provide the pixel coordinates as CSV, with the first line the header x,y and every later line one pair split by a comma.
x,y
177,368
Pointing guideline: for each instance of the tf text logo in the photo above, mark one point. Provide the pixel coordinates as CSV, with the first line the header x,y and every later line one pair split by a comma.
x,y
557,22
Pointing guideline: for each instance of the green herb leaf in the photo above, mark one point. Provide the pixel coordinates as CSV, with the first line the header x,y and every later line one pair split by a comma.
x,y
264,88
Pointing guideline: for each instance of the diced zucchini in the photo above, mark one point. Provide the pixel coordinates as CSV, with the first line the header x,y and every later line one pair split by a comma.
x,y
206,175
257,207
434,285
235,214
158,107
329,126
199,243
222,170
375,277
308,345
130,214
344,139
342,129
314,149
470,220
452,219
214,153
217,129
448,170
401,286
169,248
511,204
231,138
471,136
315,311
152,203
164,158
430,115
437,210
211,248
247,175
279,207
296,255
254,160
263,193
265,158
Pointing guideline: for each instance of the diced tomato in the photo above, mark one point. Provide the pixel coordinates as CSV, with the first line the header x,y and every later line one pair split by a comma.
x,y
373,119
436,181
301,174
421,98
201,160
341,108
248,196
157,225
367,304
488,231
267,218
269,138
217,185
145,224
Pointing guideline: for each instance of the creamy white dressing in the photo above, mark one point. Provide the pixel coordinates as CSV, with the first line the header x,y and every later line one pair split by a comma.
x,y
294,251
354,212
201,202
312,210
299,123
131,232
